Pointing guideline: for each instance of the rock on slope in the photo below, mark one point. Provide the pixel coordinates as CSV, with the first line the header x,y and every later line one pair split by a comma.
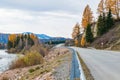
x,y
110,40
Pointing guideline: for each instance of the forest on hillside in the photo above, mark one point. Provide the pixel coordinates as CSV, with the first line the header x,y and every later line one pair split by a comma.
x,y
108,15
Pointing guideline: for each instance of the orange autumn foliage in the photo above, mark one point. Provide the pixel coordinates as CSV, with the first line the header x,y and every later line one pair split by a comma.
x,y
87,17
101,7
76,42
33,36
76,31
114,5
12,38
83,41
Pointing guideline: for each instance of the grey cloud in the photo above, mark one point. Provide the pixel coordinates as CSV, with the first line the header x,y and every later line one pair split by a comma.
x,y
43,5
42,16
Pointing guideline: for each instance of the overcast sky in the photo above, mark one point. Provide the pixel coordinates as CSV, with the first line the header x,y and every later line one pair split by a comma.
x,y
51,17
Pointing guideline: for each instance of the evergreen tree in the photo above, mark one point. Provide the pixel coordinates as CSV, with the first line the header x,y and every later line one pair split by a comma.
x,y
99,25
30,40
17,41
109,21
25,36
9,44
104,27
89,35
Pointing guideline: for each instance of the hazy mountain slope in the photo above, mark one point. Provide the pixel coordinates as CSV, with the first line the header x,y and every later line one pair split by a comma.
x,y
3,38
41,37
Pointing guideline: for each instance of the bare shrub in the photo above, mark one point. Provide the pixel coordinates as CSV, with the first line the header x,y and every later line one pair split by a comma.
x,y
31,58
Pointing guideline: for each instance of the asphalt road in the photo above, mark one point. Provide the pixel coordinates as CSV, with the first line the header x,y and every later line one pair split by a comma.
x,y
104,65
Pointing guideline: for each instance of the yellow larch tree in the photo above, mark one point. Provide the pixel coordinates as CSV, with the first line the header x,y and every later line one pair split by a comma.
x,y
12,38
114,5
87,17
33,36
76,33
101,7
83,41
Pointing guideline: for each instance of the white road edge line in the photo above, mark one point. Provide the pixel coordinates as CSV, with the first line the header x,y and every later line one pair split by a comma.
x,y
82,76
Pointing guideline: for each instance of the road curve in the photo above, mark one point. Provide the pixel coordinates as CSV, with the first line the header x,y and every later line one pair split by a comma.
x,y
104,65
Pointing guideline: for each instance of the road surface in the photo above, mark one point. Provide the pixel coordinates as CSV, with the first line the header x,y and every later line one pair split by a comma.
x,y
103,65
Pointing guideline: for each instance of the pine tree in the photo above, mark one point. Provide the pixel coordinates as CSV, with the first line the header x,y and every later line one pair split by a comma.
x,y
104,22
102,25
17,41
9,45
89,35
30,40
109,21
99,25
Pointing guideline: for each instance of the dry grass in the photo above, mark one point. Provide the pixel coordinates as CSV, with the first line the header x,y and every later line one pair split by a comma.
x,y
30,59
5,78
77,79
46,67
87,73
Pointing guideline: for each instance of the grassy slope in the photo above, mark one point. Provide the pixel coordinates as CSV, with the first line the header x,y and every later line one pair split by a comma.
x,y
111,40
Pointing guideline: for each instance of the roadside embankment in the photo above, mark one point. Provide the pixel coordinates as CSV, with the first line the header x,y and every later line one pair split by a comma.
x,y
57,66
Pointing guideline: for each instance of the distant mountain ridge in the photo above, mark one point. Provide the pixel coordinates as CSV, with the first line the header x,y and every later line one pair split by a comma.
x,y
41,37
3,38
